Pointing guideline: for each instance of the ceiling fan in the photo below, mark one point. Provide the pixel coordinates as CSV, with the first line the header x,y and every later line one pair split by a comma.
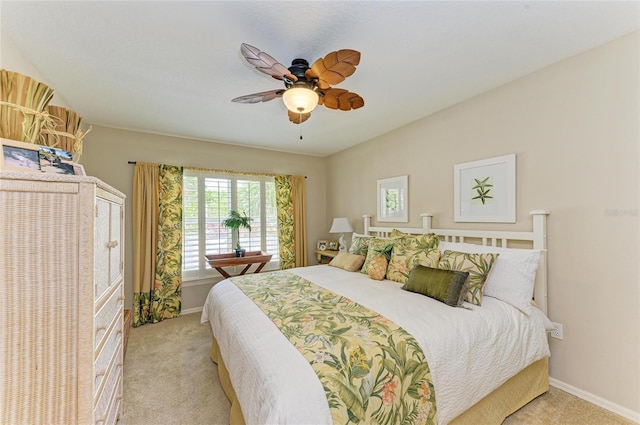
x,y
306,87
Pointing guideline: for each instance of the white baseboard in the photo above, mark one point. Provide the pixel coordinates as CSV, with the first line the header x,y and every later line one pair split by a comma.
x,y
598,401
192,310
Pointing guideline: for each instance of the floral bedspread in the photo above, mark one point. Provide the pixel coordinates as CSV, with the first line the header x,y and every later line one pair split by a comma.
x,y
372,370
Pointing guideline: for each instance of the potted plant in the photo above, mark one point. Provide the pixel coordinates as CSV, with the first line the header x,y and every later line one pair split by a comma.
x,y
234,222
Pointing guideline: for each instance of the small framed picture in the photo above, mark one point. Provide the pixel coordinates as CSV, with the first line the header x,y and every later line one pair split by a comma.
x,y
57,161
78,169
393,199
333,245
322,245
19,156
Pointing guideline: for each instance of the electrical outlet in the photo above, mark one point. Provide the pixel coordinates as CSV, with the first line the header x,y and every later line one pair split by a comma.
x,y
557,332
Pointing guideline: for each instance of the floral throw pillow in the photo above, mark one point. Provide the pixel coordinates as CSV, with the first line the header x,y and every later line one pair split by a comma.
x,y
410,250
359,244
478,266
428,239
404,258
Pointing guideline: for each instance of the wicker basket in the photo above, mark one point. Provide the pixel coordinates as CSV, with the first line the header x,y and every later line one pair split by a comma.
x,y
22,104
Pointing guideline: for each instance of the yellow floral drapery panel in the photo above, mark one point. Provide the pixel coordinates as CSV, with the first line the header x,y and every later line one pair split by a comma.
x,y
292,226
157,241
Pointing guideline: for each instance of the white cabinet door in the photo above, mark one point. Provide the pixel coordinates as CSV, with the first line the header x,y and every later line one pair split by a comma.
x,y
108,266
102,243
115,231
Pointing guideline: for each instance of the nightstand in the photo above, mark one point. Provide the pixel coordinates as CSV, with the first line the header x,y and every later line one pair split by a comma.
x,y
324,257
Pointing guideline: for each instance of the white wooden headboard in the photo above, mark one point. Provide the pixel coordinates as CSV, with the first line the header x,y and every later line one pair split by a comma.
x,y
537,238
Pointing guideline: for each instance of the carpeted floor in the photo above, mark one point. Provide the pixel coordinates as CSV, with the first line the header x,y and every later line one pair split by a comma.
x,y
176,383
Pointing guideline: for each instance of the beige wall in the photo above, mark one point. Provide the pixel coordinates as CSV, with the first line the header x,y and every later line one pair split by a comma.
x,y
107,152
575,129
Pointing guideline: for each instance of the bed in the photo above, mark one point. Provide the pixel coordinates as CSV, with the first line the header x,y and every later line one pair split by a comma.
x,y
484,362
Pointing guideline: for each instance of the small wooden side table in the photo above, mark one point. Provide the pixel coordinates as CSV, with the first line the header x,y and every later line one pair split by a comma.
x,y
325,257
218,261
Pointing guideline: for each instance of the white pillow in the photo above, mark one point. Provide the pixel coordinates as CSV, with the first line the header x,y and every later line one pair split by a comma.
x,y
512,276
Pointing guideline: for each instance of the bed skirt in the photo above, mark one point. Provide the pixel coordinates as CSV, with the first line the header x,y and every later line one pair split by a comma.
x,y
519,390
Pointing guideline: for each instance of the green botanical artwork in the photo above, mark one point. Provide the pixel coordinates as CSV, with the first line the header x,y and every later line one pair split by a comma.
x,y
482,189
392,200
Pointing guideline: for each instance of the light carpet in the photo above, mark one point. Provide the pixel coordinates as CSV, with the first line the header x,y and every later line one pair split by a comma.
x,y
169,379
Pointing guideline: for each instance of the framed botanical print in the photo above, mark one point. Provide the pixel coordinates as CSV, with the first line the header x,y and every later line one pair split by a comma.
x,y
485,190
393,199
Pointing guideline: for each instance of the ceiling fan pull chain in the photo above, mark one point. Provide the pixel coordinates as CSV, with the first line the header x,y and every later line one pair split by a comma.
x,y
300,124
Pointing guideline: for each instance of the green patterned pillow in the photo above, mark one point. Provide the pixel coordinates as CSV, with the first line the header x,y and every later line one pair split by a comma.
x,y
446,286
359,244
428,239
478,266
405,257
410,250
377,246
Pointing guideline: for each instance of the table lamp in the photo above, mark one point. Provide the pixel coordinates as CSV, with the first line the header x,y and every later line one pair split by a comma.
x,y
341,225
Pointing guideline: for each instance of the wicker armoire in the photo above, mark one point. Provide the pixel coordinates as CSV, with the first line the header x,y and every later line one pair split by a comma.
x,y
61,303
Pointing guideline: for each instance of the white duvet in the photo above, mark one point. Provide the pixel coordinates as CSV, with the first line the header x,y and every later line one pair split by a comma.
x,y
470,352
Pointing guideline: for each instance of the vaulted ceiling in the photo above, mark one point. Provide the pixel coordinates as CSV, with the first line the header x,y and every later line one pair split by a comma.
x,y
172,67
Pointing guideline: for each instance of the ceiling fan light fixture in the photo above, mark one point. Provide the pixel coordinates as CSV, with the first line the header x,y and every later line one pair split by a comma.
x,y
300,99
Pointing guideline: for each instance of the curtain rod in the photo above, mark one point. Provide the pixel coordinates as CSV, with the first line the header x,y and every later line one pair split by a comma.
x,y
228,172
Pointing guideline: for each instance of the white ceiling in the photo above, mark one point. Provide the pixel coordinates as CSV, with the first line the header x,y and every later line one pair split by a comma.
x,y
172,67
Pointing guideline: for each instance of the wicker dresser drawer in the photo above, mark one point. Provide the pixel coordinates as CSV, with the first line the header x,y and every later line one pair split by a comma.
x,y
115,409
107,353
105,316
125,331
111,390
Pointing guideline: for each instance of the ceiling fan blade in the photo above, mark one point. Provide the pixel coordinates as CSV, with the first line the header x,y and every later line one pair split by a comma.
x,y
334,67
297,118
264,96
341,99
265,63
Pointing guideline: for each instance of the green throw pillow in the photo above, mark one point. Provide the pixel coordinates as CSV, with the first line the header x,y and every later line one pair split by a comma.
x,y
478,266
359,244
447,286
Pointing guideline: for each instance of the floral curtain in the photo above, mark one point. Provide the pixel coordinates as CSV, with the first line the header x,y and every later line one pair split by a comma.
x,y
157,240
292,226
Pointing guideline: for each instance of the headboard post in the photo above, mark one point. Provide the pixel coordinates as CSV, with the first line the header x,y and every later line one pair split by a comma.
x,y
367,223
540,242
426,221
539,228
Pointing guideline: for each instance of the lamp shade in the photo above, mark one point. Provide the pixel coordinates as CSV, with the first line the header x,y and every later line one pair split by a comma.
x,y
341,225
300,99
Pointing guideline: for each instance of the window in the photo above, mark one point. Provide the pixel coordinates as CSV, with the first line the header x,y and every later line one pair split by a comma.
x,y
207,199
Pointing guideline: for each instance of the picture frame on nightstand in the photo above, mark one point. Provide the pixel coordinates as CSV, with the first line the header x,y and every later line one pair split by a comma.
x,y
322,245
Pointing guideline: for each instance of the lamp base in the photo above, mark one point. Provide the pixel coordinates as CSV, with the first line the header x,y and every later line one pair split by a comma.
x,y
342,244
